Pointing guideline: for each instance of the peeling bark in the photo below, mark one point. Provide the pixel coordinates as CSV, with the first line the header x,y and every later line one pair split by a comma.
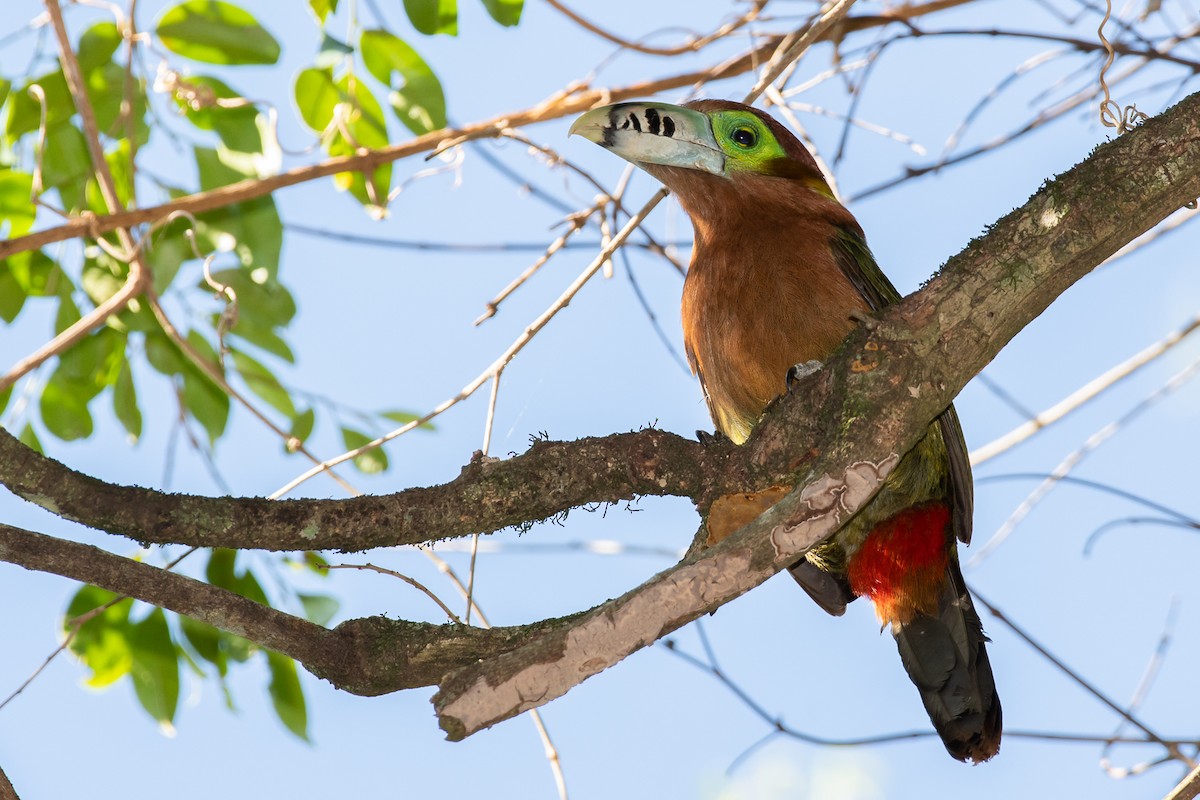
x,y
873,400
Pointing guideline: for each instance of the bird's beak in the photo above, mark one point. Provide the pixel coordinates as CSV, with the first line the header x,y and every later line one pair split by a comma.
x,y
654,133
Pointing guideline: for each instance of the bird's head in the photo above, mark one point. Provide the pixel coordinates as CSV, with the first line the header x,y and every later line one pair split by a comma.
x,y
710,153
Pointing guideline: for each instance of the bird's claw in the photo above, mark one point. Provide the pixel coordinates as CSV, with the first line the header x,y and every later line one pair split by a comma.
x,y
798,372
709,439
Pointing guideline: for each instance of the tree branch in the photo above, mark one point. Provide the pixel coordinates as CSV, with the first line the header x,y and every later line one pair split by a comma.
x,y
368,656
574,100
840,434
551,477
875,399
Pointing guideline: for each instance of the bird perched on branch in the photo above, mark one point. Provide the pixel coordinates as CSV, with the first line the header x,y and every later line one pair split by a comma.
x,y
779,271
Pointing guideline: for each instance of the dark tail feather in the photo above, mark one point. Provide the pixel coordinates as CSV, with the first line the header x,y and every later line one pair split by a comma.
x,y
945,657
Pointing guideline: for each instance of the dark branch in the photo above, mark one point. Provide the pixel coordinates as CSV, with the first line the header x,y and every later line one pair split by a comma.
x,y
875,398
489,495
368,656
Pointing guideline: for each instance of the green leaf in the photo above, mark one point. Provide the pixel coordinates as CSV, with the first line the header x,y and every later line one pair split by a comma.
x,y
125,402
316,96
16,204
155,667
106,90
237,127
250,229
29,438
302,424
216,32
266,302
103,642
103,276
25,112
36,273
64,408
506,12
163,354
319,608
321,9
119,165
65,159
204,399
416,96
166,251
221,571
263,383
206,641
5,86
368,129
94,362
286,694
405,417
316,562
371,462
12,296
433,16
67,314
97,45
263,337
5,396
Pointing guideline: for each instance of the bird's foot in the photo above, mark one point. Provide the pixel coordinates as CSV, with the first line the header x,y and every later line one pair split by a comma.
x,y
709,439
798,372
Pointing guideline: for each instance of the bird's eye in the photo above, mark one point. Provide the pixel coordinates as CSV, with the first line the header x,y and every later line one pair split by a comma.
x,y
744,137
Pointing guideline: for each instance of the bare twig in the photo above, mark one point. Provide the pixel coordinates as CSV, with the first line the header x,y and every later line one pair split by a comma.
x,y
413,582
516,347
795,45
215,374
1075,457
1081,396
1172,748
691,45
577,100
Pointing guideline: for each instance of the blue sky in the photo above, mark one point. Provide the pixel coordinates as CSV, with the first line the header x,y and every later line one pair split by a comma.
x,y
381,329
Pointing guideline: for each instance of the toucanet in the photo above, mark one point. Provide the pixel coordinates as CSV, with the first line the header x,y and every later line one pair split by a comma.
x,y
780,270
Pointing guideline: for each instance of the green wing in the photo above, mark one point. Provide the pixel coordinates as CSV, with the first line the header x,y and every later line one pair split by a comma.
x,y
858,265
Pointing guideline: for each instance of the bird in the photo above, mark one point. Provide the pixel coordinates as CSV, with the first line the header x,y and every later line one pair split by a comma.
x,y
780,274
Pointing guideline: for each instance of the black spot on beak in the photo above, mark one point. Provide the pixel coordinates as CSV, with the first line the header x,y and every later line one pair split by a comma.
x,y
655,121
668,127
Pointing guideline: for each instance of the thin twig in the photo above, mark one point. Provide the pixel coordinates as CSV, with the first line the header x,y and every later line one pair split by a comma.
x,y
523,339
796,44
577,100
551,751
1075,457
74,625
1172,748
413,582
1081,396
692,45
1140,694
214,373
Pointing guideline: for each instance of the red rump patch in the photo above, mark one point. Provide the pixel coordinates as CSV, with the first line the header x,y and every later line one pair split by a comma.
x,y
901,566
